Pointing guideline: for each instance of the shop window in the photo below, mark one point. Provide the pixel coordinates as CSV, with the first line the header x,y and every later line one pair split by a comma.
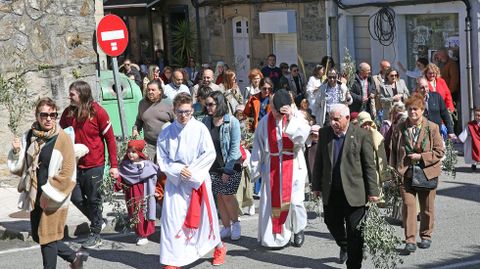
x,y
426,33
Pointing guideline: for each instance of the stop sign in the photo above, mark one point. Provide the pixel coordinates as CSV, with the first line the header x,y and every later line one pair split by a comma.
x,y
112,35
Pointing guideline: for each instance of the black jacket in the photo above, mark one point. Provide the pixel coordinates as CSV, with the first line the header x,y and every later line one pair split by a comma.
x,y
437,111
356,91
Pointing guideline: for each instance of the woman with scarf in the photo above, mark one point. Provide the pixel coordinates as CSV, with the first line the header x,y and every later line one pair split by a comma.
x,y
186,152
45,160
138,178
416,153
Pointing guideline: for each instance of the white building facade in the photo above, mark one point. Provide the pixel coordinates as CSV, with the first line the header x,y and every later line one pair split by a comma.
x,y
420,30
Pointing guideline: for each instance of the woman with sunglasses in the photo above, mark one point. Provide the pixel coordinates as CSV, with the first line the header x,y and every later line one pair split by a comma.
x,y
258,105
45,160
393,90
185,153
226,171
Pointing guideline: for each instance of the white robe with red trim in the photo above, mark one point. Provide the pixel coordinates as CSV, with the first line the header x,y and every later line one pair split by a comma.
x,y
178,146
297,130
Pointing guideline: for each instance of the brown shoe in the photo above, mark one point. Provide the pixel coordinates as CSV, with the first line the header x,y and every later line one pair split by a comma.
x,y
80,257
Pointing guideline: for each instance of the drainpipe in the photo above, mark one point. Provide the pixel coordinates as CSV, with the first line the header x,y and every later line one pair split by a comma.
x,y
196,5
327,28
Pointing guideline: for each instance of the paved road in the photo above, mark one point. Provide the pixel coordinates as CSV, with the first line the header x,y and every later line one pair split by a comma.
x,y
456,241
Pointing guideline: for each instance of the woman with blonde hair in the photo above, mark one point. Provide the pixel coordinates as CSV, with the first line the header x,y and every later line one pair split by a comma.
x,y
438,84
231,91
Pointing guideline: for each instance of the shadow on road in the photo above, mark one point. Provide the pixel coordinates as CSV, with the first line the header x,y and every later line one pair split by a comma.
x,y
464,191
125,257
470,260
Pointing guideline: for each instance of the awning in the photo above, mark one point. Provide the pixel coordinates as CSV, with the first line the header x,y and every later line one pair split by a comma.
x,y
119,4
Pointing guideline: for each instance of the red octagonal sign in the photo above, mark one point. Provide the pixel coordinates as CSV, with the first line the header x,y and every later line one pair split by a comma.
x,y
112,35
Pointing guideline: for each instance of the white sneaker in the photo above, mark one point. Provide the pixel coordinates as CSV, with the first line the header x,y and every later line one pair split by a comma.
x,y
142,241
251,210
104,224
236,231
225,232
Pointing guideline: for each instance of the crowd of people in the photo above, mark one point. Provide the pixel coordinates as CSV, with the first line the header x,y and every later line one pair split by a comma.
x,y
202,144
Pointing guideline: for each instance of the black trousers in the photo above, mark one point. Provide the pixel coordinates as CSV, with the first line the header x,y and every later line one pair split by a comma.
x,y
87,198
53,249
337,213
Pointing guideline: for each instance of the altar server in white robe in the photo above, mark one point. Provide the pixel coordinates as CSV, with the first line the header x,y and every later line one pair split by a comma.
x,y
189,224
278,158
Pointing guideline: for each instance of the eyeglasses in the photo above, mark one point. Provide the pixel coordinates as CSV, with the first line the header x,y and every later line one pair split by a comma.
x,y
394,76
267,88
127,64
45,115
210,104
184,112
294,70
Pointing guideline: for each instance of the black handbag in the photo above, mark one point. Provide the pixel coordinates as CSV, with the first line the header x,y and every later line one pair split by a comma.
x,y
420,182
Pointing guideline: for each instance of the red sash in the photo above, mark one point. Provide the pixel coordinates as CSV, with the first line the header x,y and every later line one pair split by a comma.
x,y
194,213
281,189
475,134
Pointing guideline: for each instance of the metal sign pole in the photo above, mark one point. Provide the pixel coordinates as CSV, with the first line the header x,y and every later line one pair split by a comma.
x,y
118,90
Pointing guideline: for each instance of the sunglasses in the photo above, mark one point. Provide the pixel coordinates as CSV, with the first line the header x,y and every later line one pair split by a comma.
x,y
45,115
184,112
267,88
210,104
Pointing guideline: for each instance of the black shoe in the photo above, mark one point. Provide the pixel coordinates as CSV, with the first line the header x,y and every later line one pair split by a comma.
x,y
80,257
425,243
474,167
409,248
92,241
342,257
298,239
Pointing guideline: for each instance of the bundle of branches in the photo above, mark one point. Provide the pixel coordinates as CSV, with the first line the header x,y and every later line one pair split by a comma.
x,y
450,159
348,69
391,190
312,202
380,239
15,97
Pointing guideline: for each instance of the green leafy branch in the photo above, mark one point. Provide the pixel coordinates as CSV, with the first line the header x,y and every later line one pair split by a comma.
x,y
391,190
380,239
16,99
450,159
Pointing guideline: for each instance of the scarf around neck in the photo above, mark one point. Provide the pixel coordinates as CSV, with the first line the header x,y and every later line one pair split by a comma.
x,y
37,142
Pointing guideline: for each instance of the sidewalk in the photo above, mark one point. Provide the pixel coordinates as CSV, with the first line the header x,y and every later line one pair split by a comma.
x,y
16,224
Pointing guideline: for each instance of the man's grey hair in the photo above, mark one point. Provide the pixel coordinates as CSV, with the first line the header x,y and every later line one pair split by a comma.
x,y
362,66
419,79
341,108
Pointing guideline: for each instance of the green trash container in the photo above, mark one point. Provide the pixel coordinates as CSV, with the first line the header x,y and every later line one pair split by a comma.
x,y
132,94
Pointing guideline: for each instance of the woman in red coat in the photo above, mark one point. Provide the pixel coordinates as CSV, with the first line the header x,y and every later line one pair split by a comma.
x,y
438,84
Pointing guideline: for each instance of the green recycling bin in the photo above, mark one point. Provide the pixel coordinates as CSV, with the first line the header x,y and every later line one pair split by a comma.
x,y
132,94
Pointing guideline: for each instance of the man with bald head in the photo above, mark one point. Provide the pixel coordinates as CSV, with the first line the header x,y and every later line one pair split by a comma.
x,y
176,86
207,80
363,90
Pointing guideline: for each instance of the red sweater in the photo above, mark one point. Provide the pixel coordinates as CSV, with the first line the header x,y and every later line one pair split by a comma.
x,y
92,133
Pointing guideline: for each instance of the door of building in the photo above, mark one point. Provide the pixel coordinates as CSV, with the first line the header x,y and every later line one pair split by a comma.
x,y
285,48
241,51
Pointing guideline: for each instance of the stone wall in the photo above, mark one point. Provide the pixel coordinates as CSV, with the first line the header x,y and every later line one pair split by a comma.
x,y
53,41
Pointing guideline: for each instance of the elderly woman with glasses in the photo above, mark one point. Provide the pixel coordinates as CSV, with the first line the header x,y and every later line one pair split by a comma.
x,y
330,93
393,90
438,84
416,152
186,152
258,105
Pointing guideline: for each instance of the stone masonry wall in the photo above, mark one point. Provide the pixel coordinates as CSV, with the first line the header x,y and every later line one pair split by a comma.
x,y
53,40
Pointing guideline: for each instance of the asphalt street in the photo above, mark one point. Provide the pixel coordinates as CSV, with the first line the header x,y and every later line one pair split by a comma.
x,y
456,241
